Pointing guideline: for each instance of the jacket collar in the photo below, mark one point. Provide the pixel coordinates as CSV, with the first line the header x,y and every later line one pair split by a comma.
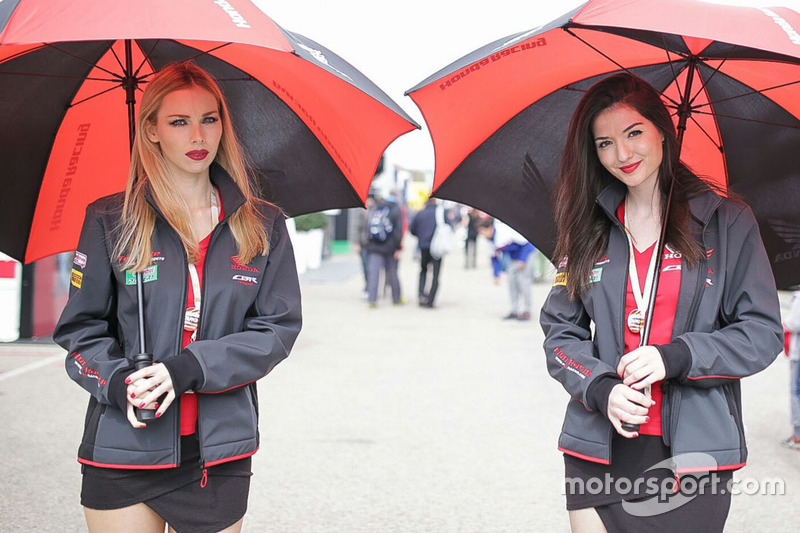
x,y
702,206
610,198
232,197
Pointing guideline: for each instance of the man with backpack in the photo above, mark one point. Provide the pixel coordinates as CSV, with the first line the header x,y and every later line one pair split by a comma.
x,y
423,227
384,237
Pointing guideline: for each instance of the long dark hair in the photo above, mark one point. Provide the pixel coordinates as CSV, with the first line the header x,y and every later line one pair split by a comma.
x,y
583,228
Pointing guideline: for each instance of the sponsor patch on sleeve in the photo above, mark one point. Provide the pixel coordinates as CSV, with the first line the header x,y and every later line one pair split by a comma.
x,y
596,275
76,278
561,279
80,260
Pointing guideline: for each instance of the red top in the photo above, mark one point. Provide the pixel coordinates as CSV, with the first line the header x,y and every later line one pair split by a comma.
x,y
189,400
663,318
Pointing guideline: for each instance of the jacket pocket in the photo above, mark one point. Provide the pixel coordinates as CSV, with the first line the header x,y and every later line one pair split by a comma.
x,y
254,398
94,411
735,411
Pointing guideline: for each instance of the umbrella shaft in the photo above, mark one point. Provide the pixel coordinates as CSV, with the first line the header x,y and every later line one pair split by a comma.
x,y
685,108
130,83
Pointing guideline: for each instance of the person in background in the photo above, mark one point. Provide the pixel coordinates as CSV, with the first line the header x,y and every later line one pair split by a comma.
x,y
189,203
423,227
486,229
517,257
360,238
792,325
470,248
384,246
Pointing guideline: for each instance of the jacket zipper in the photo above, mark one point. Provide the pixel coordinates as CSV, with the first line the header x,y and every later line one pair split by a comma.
x,y
214,233
178,343
624,294
670,407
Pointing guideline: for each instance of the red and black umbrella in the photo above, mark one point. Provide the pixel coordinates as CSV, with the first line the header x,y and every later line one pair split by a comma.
x,y
731,75
313,126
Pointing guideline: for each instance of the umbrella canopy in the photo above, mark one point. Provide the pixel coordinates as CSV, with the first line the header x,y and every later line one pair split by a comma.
x,y
313,126
499,116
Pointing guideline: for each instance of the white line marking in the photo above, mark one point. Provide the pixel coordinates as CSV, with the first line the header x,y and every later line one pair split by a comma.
x,y
30,367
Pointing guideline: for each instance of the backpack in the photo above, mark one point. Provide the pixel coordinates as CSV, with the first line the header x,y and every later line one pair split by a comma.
x,y
379,226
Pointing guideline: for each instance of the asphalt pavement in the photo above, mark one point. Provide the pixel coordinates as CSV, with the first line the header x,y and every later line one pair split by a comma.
x,y
395,419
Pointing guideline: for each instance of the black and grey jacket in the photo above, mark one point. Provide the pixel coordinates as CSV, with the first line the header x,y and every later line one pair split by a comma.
x,y
250,319
727,326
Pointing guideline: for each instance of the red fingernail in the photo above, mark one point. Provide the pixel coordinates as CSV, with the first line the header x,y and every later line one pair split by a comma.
x,y
133,395
141,405
155,406
158,414
127,381
647,419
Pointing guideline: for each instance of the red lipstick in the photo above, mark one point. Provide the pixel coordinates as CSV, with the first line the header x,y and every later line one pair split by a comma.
x,y
197,155
630,168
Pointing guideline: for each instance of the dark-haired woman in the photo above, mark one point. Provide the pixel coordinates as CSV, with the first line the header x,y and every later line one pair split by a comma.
x,y
715,321
221,309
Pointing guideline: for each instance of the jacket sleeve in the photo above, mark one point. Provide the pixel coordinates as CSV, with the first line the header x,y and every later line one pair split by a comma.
x,y
751,335
569,350
87,327
412,228
269,330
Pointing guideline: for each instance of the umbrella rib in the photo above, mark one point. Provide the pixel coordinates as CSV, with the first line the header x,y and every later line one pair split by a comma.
x,y
145,59
569,31
765,122
64,76
710,138
248,78
73,104
94,65
706,82
23,52
208,52
674,74
748,93
119,62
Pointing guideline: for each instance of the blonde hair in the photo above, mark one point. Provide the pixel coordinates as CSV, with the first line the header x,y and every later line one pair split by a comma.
x,y
149,171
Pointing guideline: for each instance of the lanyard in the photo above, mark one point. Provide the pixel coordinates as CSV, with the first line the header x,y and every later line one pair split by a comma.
x,y
641,297
191,320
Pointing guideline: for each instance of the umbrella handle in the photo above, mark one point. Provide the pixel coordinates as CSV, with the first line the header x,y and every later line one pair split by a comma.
x,y
142,359
648,319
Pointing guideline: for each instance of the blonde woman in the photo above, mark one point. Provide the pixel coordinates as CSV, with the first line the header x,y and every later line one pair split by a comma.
x,y
221,309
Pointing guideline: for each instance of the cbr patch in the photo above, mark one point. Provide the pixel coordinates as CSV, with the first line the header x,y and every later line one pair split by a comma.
x,y
77,278
561,279
148,274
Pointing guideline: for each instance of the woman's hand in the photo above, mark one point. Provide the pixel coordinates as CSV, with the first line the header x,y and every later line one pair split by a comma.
x,y
145,387
641,367
626,405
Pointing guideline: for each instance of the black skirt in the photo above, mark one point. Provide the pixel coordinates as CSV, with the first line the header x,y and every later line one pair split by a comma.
x,y
185,497
631,495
